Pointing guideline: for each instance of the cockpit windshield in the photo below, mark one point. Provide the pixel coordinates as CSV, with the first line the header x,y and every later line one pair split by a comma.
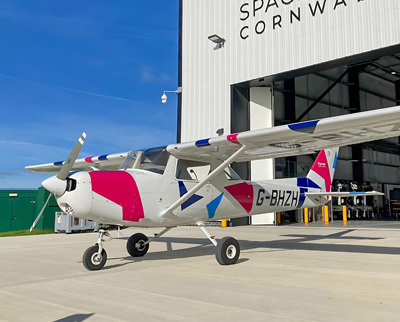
x,y
154,160
131,160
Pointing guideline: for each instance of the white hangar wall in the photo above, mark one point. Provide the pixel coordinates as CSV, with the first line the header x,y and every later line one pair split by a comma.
x,y
265,38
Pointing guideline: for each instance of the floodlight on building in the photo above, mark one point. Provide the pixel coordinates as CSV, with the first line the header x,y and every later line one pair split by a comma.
x,y
217,40
164,96
394,73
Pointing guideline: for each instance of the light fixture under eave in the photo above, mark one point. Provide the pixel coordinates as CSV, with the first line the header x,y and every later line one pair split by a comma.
x,y
217,40
394,73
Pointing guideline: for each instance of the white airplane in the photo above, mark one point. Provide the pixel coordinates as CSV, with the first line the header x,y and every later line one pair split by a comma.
x,y
191,183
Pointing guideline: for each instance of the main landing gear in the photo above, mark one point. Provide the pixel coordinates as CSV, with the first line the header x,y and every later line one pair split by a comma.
x,y
138,244
227,250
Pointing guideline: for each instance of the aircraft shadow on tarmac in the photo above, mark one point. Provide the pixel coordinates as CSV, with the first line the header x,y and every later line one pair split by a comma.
x,y
295,242
75,318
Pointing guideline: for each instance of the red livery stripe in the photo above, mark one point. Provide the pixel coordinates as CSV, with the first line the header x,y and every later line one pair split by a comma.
x,y
121,188
243,193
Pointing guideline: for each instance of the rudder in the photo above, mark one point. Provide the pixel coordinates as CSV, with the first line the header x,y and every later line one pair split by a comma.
x,y
323,169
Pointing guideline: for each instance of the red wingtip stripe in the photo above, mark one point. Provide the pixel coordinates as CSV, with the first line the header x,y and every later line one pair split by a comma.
x,y
89,160
233,138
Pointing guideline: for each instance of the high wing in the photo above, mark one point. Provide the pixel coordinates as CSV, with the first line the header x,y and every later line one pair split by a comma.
x,y
101,162
296,139
276,142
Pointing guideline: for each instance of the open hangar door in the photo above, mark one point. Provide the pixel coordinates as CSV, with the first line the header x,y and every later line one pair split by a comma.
x,y
363,86
352,88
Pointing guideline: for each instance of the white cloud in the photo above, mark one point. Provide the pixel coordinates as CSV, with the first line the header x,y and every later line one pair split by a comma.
x,y
149,75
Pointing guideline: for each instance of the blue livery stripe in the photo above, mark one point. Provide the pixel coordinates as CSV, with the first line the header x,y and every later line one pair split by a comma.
x,y
103,157
308,183
191,200
357,192
182,188
302,182
204,142
312,184
307,127
334,162
213,205
58,163
73,172
302,197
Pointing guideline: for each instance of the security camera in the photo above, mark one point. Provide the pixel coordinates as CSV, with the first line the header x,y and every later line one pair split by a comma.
x,y
164,98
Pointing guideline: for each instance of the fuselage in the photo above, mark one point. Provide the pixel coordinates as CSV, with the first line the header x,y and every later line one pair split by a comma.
x,y
137,197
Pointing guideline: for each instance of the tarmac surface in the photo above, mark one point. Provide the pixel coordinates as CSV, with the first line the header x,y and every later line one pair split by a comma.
x,y
286,273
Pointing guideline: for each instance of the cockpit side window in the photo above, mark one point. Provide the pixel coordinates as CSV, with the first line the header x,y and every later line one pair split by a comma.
x,y
192,170
154,160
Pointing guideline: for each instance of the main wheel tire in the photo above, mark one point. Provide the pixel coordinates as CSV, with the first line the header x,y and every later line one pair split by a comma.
x,y
227,251
92,261
135,246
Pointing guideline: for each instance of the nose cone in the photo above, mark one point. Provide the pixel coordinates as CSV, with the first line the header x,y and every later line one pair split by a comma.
x,y
55,185
77,199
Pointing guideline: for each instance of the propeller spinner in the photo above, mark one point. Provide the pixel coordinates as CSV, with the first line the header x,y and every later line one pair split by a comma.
x,y
57,185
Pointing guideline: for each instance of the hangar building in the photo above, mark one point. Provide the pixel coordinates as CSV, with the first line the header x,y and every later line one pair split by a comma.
x,y
250,64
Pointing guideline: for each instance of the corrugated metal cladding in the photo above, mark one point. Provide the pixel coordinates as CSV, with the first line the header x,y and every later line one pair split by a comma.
x,y
280,35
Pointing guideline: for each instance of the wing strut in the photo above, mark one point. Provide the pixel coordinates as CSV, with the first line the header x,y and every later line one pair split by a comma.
x,y
202,183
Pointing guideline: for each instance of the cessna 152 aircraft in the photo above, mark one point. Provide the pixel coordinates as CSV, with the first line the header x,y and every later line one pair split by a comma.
x,y
193,182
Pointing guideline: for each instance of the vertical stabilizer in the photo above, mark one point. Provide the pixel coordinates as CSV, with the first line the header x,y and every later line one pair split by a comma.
x,y
323,169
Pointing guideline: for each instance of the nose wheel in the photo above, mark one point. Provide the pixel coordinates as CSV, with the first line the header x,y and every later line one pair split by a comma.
x,y
95,257
93,260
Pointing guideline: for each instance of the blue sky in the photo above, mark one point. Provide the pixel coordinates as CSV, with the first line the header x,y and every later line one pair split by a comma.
x,y
73,66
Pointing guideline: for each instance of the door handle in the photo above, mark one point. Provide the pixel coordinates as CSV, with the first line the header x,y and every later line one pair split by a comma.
x,y
14,217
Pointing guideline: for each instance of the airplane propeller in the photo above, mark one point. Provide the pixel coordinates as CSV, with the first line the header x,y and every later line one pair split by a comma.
x,y
57,185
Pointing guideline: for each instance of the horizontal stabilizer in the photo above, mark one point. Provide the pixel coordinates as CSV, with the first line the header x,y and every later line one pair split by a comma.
x,y
344,194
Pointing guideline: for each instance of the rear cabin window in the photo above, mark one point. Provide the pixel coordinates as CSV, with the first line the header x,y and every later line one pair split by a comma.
x,y
192,170
231,174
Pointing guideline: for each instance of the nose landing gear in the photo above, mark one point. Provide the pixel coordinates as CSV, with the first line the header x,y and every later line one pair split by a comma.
x,y
95,257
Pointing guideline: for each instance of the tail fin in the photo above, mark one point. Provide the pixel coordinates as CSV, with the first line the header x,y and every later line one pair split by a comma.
x,y
323,169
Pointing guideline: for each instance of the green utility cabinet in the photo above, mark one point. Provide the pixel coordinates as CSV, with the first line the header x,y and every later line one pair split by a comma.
x,y
19,208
